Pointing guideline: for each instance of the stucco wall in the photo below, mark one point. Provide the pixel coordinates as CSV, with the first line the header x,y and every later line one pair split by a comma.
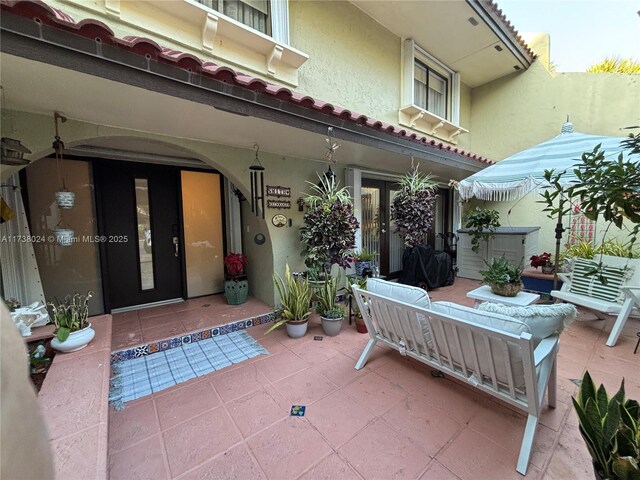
x,y
282,244
517,112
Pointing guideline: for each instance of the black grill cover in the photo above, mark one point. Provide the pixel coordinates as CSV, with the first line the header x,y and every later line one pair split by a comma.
x,y
425,267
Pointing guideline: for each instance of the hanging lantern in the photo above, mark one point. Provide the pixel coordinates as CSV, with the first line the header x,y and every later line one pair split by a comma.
x,y
64,197
257,196
12,151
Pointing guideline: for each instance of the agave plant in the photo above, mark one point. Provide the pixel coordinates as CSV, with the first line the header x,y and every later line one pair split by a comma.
x,y
295,297
327,305
611,429
329,231
412,207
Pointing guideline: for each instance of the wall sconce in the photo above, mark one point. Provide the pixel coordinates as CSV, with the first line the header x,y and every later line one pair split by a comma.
x,y
257,196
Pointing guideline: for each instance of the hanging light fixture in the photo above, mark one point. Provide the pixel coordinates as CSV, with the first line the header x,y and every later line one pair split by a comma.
x,y
11,150
330,154
257,196
64,197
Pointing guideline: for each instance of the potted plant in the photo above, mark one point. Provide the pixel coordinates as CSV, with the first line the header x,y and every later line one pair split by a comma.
x,y
73,330
331,313
482,224
362,259
295,298
502,276
412,208
236,287
542,261
361,283
329,231
611,429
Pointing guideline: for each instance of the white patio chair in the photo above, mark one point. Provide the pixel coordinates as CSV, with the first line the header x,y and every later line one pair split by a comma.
x,y
628,293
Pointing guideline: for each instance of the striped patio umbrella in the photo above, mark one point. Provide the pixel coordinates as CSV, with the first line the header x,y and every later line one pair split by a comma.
x,y
523,173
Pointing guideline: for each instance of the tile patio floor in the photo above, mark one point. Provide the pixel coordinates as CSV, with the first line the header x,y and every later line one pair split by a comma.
x,y
390,420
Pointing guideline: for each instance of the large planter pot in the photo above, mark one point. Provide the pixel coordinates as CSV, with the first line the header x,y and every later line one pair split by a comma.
x,y
360,266
236,291
506,290
296,329
76,340
361,327
331,326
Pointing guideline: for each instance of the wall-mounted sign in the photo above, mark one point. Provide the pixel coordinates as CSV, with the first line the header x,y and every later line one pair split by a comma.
x,y
278,204
278,191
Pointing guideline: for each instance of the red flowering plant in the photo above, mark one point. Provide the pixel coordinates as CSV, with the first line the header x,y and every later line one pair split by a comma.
x,y
542,260
235,263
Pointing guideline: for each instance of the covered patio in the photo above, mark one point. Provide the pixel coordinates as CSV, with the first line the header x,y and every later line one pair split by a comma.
x,y
392,419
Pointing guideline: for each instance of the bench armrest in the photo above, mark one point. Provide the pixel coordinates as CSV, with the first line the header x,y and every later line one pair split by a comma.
x,y
544,349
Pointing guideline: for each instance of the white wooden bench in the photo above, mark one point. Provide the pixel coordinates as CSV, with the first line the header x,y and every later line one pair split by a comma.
x,y
629,294
498,353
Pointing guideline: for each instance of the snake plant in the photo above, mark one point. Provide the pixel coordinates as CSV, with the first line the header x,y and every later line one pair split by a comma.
x,y
611,429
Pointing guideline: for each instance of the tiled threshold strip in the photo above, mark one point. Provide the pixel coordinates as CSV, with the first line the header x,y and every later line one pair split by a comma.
x,y
175,342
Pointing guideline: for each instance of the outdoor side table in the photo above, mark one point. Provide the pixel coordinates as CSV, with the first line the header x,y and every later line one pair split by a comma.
x,y
484,294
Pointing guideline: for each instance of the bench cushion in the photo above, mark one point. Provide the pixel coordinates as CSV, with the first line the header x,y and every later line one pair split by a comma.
x,y
590,285
543,320
401,293
496,321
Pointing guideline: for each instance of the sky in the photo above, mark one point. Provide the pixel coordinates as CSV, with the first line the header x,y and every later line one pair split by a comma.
x,y
583,32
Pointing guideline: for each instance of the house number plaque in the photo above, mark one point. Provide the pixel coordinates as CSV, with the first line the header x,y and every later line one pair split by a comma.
x,y
278,203
278,191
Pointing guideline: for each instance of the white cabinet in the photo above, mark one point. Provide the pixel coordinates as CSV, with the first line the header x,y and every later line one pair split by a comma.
x,y
517,244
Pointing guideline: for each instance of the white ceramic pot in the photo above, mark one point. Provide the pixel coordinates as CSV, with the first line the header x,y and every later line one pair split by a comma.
x,y
65,199
331,326
297,329
64,236
76,340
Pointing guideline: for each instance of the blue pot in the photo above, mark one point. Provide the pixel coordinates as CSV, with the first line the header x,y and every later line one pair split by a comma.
x,y
236,291
360,266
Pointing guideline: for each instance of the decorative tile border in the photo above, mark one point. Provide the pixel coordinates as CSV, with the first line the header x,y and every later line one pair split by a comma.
x,y
142,350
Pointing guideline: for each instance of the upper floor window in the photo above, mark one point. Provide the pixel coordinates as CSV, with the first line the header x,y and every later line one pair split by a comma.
x,y
430,94
252,13
430,89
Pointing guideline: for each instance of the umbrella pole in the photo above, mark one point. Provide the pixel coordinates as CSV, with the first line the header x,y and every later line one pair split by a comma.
x,y
559,231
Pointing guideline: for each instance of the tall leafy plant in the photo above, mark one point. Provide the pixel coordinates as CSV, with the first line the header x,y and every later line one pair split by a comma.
x,y
605,188
329,231
295,297
412,207
611,429
482,224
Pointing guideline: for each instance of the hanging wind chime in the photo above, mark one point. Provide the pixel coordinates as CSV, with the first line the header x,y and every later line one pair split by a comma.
x,y
257,196
64,198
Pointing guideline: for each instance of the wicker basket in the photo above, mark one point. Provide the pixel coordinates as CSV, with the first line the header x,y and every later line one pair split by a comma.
x,y
506,290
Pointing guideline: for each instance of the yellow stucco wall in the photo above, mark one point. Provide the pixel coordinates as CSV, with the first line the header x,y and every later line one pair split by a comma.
x,y
354,62
517,112
282,244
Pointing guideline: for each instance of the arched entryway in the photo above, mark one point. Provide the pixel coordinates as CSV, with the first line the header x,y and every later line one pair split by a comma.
x,y
150,225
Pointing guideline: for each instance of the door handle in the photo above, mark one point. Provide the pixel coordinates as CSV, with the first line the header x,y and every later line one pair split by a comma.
x,y
175,246
383,231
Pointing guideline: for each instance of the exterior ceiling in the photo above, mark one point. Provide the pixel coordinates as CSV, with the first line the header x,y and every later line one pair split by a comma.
x,y
99,101
442,28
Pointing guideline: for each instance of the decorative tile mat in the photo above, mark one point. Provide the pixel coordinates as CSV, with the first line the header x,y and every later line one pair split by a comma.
x,y
148,374
168,344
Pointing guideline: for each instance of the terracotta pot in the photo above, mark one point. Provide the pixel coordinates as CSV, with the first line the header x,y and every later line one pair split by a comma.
x,y
361,327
